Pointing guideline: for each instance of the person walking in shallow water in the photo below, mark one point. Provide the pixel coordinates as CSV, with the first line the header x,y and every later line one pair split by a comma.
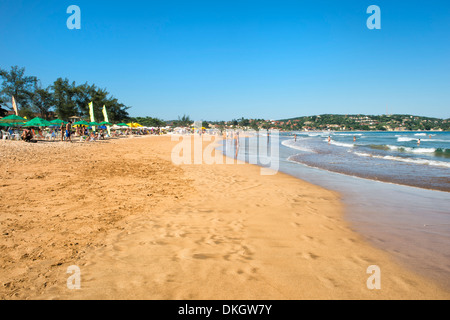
x,y
418,142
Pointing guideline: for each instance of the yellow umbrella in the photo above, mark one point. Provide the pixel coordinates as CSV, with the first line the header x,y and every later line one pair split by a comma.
x,y
134,125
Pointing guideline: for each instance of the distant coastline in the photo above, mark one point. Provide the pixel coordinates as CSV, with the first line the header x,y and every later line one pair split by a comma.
x,y
333,122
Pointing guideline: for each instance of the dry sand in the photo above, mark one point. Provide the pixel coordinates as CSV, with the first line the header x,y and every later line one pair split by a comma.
x,y
139,227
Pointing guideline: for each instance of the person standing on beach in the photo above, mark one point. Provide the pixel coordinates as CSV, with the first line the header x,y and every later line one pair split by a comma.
x,y
62,131
68,131
329,139
236,143
295,138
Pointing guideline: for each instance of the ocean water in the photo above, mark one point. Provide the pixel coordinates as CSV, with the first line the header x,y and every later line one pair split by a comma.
x,y
395,192
386,156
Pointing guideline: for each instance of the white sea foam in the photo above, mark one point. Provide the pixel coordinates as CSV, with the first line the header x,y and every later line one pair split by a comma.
x,y
318,134
340,144
408,149
407,160
293,145
348,134
423,150
406,139
435,140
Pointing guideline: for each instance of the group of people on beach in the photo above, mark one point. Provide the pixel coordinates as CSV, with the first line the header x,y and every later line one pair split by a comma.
x,y
83,132
66,132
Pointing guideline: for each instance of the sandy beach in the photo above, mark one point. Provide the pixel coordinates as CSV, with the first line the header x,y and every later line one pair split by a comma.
x,y
140,227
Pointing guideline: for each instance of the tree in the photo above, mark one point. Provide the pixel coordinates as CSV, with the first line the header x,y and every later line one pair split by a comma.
x,y
254,126
85,93
42,101
184,121
64,98
16,84
244,122
3,111
149,121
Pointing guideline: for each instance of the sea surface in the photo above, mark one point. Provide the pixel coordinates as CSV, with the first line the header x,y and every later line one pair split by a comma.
x,y
395,157
395,191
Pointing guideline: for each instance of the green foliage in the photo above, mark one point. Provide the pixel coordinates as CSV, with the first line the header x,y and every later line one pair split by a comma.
x,y
16,84
72,100
42,100
148,121
64,97
184,121
3,110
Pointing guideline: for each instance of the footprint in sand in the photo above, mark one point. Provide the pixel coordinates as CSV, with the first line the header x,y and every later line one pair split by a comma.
x,y
204,256
328,282
310,256
310,239
296,224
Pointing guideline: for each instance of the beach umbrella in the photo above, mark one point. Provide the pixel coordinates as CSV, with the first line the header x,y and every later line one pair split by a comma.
x,y
123,124
37,122
13,119
81,123
57,121
94,124
105,123
4,124
134,125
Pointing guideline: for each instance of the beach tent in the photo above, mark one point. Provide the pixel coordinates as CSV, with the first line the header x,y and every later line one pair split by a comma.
x,y
37,122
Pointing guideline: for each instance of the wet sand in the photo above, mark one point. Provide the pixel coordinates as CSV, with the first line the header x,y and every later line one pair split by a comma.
x,y
139,227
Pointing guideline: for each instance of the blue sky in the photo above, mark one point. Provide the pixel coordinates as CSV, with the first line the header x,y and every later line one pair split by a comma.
x,y
219,60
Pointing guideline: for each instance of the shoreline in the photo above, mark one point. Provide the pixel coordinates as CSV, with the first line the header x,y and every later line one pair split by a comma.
x,y
369,179
367,222
201,232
